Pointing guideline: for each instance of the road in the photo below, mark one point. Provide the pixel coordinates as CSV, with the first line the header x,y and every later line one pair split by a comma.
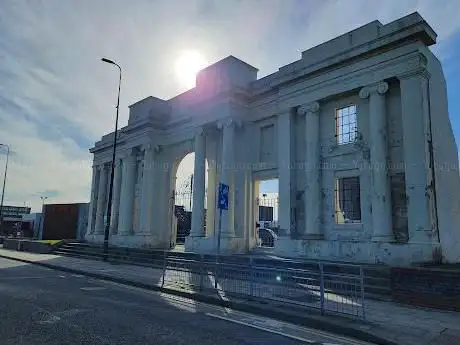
x,y
44,306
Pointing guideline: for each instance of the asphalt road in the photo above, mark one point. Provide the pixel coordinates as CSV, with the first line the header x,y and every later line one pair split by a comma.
x,y
44,306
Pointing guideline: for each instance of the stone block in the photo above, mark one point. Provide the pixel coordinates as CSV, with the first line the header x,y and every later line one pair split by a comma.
x,y
426,287
13,244
36,247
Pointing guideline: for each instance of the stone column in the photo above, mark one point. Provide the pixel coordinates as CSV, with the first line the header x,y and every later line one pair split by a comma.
x,y
116,197
101,200
199,185
286,172
313,196
226,176
414,104
92,204
381,188
211,197
125,226
146,207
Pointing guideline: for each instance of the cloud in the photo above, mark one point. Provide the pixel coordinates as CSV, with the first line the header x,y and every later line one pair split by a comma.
x,y
57,98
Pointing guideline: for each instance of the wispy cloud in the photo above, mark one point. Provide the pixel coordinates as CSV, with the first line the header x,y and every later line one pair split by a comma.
x,y
56,98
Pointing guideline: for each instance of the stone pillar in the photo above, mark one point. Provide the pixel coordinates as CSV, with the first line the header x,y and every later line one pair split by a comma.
x,y
92,203
199,185
414,104
101,201
211,198
125,226
381,188
146,207
313,196
286,172
116,197
226,177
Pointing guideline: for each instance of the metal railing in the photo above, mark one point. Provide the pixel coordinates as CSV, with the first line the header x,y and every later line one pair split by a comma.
x,y
329,289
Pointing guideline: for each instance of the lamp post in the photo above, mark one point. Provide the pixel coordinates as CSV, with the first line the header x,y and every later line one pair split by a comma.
x,y
40,233
112,169
4,183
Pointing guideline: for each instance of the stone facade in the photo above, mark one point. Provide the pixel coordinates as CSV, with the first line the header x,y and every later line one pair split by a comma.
x,y
357,132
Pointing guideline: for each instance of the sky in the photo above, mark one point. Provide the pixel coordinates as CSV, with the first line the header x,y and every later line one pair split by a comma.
x,y
57,98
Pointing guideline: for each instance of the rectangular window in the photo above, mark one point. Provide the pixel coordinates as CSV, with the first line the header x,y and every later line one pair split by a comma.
x,y
346,124
347,200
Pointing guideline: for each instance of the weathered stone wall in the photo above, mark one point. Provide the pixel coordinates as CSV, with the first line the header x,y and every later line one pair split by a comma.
x,y
426,287
445,156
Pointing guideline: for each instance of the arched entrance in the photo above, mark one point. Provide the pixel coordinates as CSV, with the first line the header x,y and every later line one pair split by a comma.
x,y
182,198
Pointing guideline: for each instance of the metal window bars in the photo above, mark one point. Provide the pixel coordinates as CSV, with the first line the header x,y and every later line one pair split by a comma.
x,y
346,124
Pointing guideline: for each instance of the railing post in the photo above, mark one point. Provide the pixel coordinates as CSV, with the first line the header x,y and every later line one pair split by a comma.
x,y
202,271
251,278
215,273
164,269
321,286
361,276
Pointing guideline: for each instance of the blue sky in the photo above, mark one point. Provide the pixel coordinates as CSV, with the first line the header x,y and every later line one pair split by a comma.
x,y
57,98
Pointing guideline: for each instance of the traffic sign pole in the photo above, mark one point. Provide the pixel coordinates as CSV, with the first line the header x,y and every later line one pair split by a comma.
x,y
222,204
219,230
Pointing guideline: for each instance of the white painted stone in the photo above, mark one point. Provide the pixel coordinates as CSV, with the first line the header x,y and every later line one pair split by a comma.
x,y
125,225
228,155
381,189
199,179
101,200
313,197
116,197
251,132
147,191
92,203
413,96
286,172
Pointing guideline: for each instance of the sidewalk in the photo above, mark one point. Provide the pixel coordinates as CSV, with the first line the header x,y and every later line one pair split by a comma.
x,y
395,323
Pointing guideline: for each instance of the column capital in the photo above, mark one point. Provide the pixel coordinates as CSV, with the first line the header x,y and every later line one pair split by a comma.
x,y
198,131
117,161
282,112
309,109
228,122
147,147
133,151
381,88
416,66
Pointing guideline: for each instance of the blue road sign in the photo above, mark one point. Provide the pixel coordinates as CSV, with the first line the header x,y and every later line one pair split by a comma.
x,y
223,196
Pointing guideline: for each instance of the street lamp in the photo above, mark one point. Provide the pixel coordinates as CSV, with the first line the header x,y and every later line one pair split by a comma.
x,y
41,217
4,183
112,169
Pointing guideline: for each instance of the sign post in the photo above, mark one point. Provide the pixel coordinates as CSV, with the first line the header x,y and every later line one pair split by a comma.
x,y
222,204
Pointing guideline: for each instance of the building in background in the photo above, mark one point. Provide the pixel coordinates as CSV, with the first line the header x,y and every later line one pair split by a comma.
x,y
64,221
31,225
12,219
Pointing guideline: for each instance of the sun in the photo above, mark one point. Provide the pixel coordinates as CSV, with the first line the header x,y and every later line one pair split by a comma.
x,y
188,64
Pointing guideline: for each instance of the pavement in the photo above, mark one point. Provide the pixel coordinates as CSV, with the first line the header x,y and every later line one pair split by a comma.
x,y
386,322
45,306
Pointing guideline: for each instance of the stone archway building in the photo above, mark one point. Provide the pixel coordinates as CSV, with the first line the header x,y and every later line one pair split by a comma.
x,y
357,132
